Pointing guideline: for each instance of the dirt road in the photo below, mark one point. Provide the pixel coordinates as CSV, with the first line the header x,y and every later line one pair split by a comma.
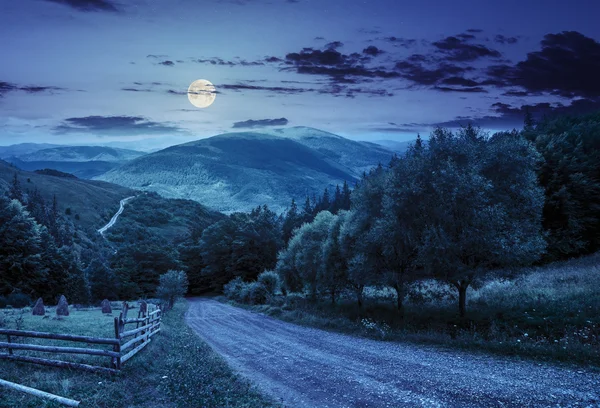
x,y
303,367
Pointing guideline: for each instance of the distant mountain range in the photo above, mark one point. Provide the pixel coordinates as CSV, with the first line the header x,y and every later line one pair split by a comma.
x,y
239,171
23,148
82,161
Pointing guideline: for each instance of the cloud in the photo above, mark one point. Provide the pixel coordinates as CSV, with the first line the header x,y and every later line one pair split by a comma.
x,y
567,65
238,62
505,40
115,125
421,75
274,89
334,45
373,51
167,63
400,41
459,49
88,5
474,30
476,89
508,116
6,87
261,123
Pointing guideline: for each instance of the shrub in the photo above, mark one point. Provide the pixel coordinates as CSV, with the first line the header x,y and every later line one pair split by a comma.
x,y
233,289
256,293
428,291
19,300
270,280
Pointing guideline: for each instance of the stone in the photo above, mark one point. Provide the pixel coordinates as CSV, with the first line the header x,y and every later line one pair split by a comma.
x,y
62,309
39,309
106,306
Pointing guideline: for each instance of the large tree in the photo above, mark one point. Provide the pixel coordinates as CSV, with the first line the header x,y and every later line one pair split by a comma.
x,y
482,210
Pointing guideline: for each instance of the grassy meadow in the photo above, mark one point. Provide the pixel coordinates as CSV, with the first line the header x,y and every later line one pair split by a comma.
x,y
177,369
549,313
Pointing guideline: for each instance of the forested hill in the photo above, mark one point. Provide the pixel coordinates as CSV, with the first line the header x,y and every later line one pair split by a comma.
x,y
89,203
240,171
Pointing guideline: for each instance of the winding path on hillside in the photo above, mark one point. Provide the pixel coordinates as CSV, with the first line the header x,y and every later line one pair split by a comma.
x,y
115,217
304,367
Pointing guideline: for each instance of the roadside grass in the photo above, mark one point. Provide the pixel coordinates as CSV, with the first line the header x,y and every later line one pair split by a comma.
x,y
546,313
177,369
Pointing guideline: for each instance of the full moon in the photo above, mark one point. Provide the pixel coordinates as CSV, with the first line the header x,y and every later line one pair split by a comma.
x,y
202,93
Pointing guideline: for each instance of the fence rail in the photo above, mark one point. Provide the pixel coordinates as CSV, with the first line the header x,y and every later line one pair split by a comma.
x,y
150,321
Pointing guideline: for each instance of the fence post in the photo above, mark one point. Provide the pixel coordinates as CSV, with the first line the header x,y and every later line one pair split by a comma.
x,y
117,347
9,349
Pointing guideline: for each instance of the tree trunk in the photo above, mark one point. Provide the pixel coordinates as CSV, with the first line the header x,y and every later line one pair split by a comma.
x,y
359,296
333,296
462,298
400,296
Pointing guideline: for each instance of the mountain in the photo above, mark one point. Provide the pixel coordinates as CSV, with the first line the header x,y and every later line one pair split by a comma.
x,y
239,171
355,155
83,161
81,154
23,148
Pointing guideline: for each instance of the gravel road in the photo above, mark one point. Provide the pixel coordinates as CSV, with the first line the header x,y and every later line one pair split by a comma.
x,y
304,367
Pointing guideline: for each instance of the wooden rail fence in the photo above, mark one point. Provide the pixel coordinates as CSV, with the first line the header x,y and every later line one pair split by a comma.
x,y
125,344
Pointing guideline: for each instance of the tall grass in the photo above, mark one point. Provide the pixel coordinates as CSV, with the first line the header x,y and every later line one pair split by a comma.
x,y
550,312
177,369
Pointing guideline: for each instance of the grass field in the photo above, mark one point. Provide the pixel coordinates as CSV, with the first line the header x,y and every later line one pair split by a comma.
x,y
549,313
176,369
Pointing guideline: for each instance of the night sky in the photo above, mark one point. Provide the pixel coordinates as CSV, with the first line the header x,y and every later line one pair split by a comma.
x,y
103,71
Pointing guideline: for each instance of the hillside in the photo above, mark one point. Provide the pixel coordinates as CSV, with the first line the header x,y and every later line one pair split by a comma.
x,y
93,201
239,171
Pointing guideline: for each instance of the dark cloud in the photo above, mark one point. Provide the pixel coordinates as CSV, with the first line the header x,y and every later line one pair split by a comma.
x,y
421,75
274,89
156,56
237,62
461,50
474,30
466,36
6,87
339,68
167,63
476,89
88,5
508,116
568,65
261,123
505,40
136,90
401,42
373,51
460,81
334,45
319,38
115,125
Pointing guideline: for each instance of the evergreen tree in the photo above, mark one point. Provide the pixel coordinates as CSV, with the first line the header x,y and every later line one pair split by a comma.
x,y
15,192
292,220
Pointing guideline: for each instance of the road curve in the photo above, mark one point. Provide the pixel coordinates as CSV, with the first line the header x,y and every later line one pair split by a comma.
x,y
113,220
304,367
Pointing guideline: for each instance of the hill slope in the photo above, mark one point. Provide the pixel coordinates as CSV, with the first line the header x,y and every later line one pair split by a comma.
x,y
239,171
93,201
23,148
81,154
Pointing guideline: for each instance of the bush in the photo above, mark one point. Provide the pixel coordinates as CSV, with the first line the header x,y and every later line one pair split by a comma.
x,y
270,280
19,300
3,302
233,289
255,293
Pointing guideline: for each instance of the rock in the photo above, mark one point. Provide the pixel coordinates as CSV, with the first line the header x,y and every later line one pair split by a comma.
x,y
39,309
106,306
62,309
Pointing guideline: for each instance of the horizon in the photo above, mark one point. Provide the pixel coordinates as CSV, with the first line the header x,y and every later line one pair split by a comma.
x,y
99,72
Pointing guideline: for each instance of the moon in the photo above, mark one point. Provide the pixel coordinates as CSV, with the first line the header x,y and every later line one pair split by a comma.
x,y
202,93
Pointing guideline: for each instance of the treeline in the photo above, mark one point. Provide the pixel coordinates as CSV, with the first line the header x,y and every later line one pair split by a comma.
x,y
38,253
453,209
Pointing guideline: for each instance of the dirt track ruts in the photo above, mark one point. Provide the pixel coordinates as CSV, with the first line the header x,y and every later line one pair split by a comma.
x,y
304,367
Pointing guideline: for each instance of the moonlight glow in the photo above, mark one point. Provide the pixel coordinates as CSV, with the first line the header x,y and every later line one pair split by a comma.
x,y
202,93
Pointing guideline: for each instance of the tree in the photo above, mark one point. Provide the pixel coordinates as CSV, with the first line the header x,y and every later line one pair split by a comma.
x,y
103,283
291,221
21,267
173,285
476,220
308,258
15,192
333,274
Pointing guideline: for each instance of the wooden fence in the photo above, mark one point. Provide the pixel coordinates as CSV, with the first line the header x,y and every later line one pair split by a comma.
x,y
125,344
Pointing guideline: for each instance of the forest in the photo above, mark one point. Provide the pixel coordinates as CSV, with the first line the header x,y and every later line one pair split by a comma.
x,y
453,208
